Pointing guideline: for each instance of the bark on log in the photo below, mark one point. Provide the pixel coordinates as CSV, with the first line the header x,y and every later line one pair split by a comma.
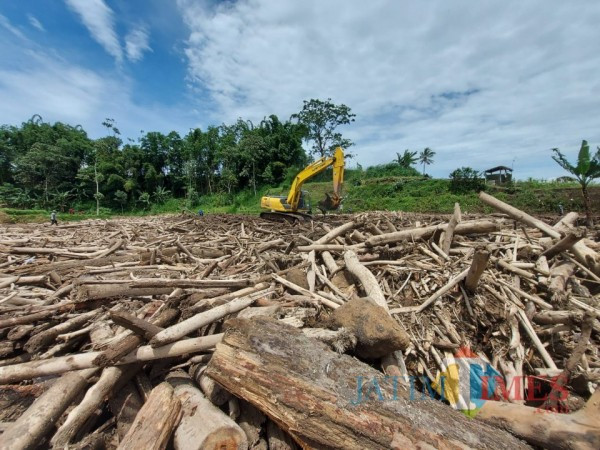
x,y
155,422
32,369
28,431
289,377
203,426
367,279
480,260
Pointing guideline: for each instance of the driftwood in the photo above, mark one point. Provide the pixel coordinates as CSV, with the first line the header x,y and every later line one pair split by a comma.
x,y
36,423
63,364
202,426
96,298
155,422
265,363
578,430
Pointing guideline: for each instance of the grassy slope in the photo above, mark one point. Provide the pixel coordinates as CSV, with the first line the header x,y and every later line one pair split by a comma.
x,y
411,194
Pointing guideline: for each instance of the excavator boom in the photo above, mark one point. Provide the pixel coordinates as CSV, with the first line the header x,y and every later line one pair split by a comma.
x,y
293,202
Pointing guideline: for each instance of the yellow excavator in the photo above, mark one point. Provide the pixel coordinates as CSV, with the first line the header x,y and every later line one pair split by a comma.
x,y
296,206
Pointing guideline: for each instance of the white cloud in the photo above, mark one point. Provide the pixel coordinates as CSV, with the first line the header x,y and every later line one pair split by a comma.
x,y
136,43
481,83
5,23
41,82
35,23
99,20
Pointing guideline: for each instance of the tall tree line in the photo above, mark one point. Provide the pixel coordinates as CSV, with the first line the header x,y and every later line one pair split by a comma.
x,y
58,166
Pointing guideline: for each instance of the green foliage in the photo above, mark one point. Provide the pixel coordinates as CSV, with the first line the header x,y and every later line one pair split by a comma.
x,y
407,159
465,180
320,120
121,198
144,199
161,194
586,170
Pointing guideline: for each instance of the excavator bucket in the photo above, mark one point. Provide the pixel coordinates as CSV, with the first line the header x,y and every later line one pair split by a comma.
x,y
331,202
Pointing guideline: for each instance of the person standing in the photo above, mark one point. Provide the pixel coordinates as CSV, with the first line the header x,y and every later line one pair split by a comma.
x,y
53,220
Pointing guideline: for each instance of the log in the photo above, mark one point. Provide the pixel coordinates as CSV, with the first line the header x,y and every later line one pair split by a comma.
x,y
140,327
213,391
584,254
474,227
23,320
203,426
102,291
518,215
290,376
338,231
155,422
128,343
278,440
47,337
198,321
565,243
449,231
35,424
547,429
222,299
93,399
478,265
32,369
125,405
367,279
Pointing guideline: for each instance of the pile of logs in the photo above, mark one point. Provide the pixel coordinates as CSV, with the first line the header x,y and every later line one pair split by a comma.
x,y
233,332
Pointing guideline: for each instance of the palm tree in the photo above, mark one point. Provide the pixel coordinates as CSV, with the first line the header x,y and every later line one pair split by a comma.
x,y
407,159
426,157
587,169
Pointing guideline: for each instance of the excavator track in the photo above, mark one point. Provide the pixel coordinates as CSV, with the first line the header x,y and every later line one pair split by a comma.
x,y
289,217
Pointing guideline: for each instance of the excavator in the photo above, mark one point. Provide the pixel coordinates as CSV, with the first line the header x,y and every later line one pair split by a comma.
x,y
295,206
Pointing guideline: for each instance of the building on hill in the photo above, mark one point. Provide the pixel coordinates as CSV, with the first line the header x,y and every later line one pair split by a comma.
x,y
498,175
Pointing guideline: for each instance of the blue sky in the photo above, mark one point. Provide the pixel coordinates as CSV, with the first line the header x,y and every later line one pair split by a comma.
x,y
481,83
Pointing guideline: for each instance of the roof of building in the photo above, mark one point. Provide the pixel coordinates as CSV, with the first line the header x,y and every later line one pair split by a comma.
x,y
497,169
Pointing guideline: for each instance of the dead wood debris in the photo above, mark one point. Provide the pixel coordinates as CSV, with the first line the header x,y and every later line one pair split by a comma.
x,y
124,306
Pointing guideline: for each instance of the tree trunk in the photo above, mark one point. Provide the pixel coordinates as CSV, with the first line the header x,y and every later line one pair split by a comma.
x,y
586,204
327,400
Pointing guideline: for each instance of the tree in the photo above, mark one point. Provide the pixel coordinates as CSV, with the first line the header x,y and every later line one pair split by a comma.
x,y
587,169
407,159
465,180
426,157
121,199
320,119
144,198
161,194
